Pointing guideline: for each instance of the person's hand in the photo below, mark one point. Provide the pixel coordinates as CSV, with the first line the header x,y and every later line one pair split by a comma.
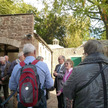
x,y
58,93
55,73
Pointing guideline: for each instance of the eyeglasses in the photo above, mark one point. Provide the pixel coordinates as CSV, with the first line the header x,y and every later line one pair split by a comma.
x,y
67,63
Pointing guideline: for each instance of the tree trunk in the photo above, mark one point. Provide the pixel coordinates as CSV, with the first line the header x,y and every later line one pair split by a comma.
x,y
106,25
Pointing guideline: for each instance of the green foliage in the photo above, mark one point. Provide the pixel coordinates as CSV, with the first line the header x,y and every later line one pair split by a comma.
x,y
77,31
103,35
54,23
6,6
15,7
57,24
50,27
94,9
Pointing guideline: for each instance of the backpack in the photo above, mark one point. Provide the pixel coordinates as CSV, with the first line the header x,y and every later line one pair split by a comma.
x,y
29,85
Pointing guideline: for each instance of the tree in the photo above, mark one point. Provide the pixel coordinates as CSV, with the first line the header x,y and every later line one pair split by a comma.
x,y
6,6
55,24
49,25
77,31
94,9
51,22
15,7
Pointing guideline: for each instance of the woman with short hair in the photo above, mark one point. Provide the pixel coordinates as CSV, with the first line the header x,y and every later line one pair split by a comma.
x,y
69,68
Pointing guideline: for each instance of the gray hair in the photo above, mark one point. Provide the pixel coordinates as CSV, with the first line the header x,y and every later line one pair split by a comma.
x,y
2,58
20,54
93,46
28,48
6,56
61,56
70,61
39,58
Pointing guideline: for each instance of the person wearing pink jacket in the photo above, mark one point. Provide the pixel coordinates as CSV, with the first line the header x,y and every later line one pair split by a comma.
x,y
69,68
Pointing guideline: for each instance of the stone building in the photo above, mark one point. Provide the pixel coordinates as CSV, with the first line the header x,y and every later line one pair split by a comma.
x,y
70,53
67,52
18,29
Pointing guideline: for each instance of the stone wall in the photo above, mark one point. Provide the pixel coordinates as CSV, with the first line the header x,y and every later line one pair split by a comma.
x,y
13,35
15,27
67,52
74,52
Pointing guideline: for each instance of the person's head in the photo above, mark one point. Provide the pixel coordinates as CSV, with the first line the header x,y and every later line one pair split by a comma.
x,y
61,59
39,58
29,50
21,56
2,60
93,46
68,64
6,57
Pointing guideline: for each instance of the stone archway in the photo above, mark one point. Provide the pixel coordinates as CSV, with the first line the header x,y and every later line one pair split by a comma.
x,y
8,41
9,47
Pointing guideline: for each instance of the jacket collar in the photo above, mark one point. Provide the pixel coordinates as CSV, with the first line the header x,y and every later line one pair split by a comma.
x,y
95,58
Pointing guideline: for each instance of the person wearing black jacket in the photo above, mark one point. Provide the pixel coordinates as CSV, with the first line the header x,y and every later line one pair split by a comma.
x,y
88,83
59,73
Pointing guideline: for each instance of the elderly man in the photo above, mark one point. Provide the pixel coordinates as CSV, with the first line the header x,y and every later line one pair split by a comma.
x,y
7,59
4,78
59,74
15,62
42,70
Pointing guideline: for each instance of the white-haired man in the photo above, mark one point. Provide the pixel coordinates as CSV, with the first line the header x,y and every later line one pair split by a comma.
x,y
59,74
4,78
42,70
15,62
7,59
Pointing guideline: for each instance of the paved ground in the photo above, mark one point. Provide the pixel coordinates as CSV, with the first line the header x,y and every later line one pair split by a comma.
x,y
51,102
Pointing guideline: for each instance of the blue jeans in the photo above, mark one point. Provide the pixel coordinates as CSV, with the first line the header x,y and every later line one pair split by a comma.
x,y
42,104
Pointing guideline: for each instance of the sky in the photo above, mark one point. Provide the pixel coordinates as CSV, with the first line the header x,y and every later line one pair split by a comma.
x,y
35,3
38,3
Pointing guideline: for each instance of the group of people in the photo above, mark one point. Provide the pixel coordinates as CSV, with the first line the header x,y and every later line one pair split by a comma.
x,y
83,86
6,68
29,53
86,85
4,78
62,72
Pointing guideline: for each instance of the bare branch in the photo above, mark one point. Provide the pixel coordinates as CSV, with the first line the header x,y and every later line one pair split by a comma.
x,y
72,9
102,31
94,17
93,12
91,1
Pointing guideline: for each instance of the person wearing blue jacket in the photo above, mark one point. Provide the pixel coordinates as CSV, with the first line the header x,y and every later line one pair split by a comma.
x,y
42,70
